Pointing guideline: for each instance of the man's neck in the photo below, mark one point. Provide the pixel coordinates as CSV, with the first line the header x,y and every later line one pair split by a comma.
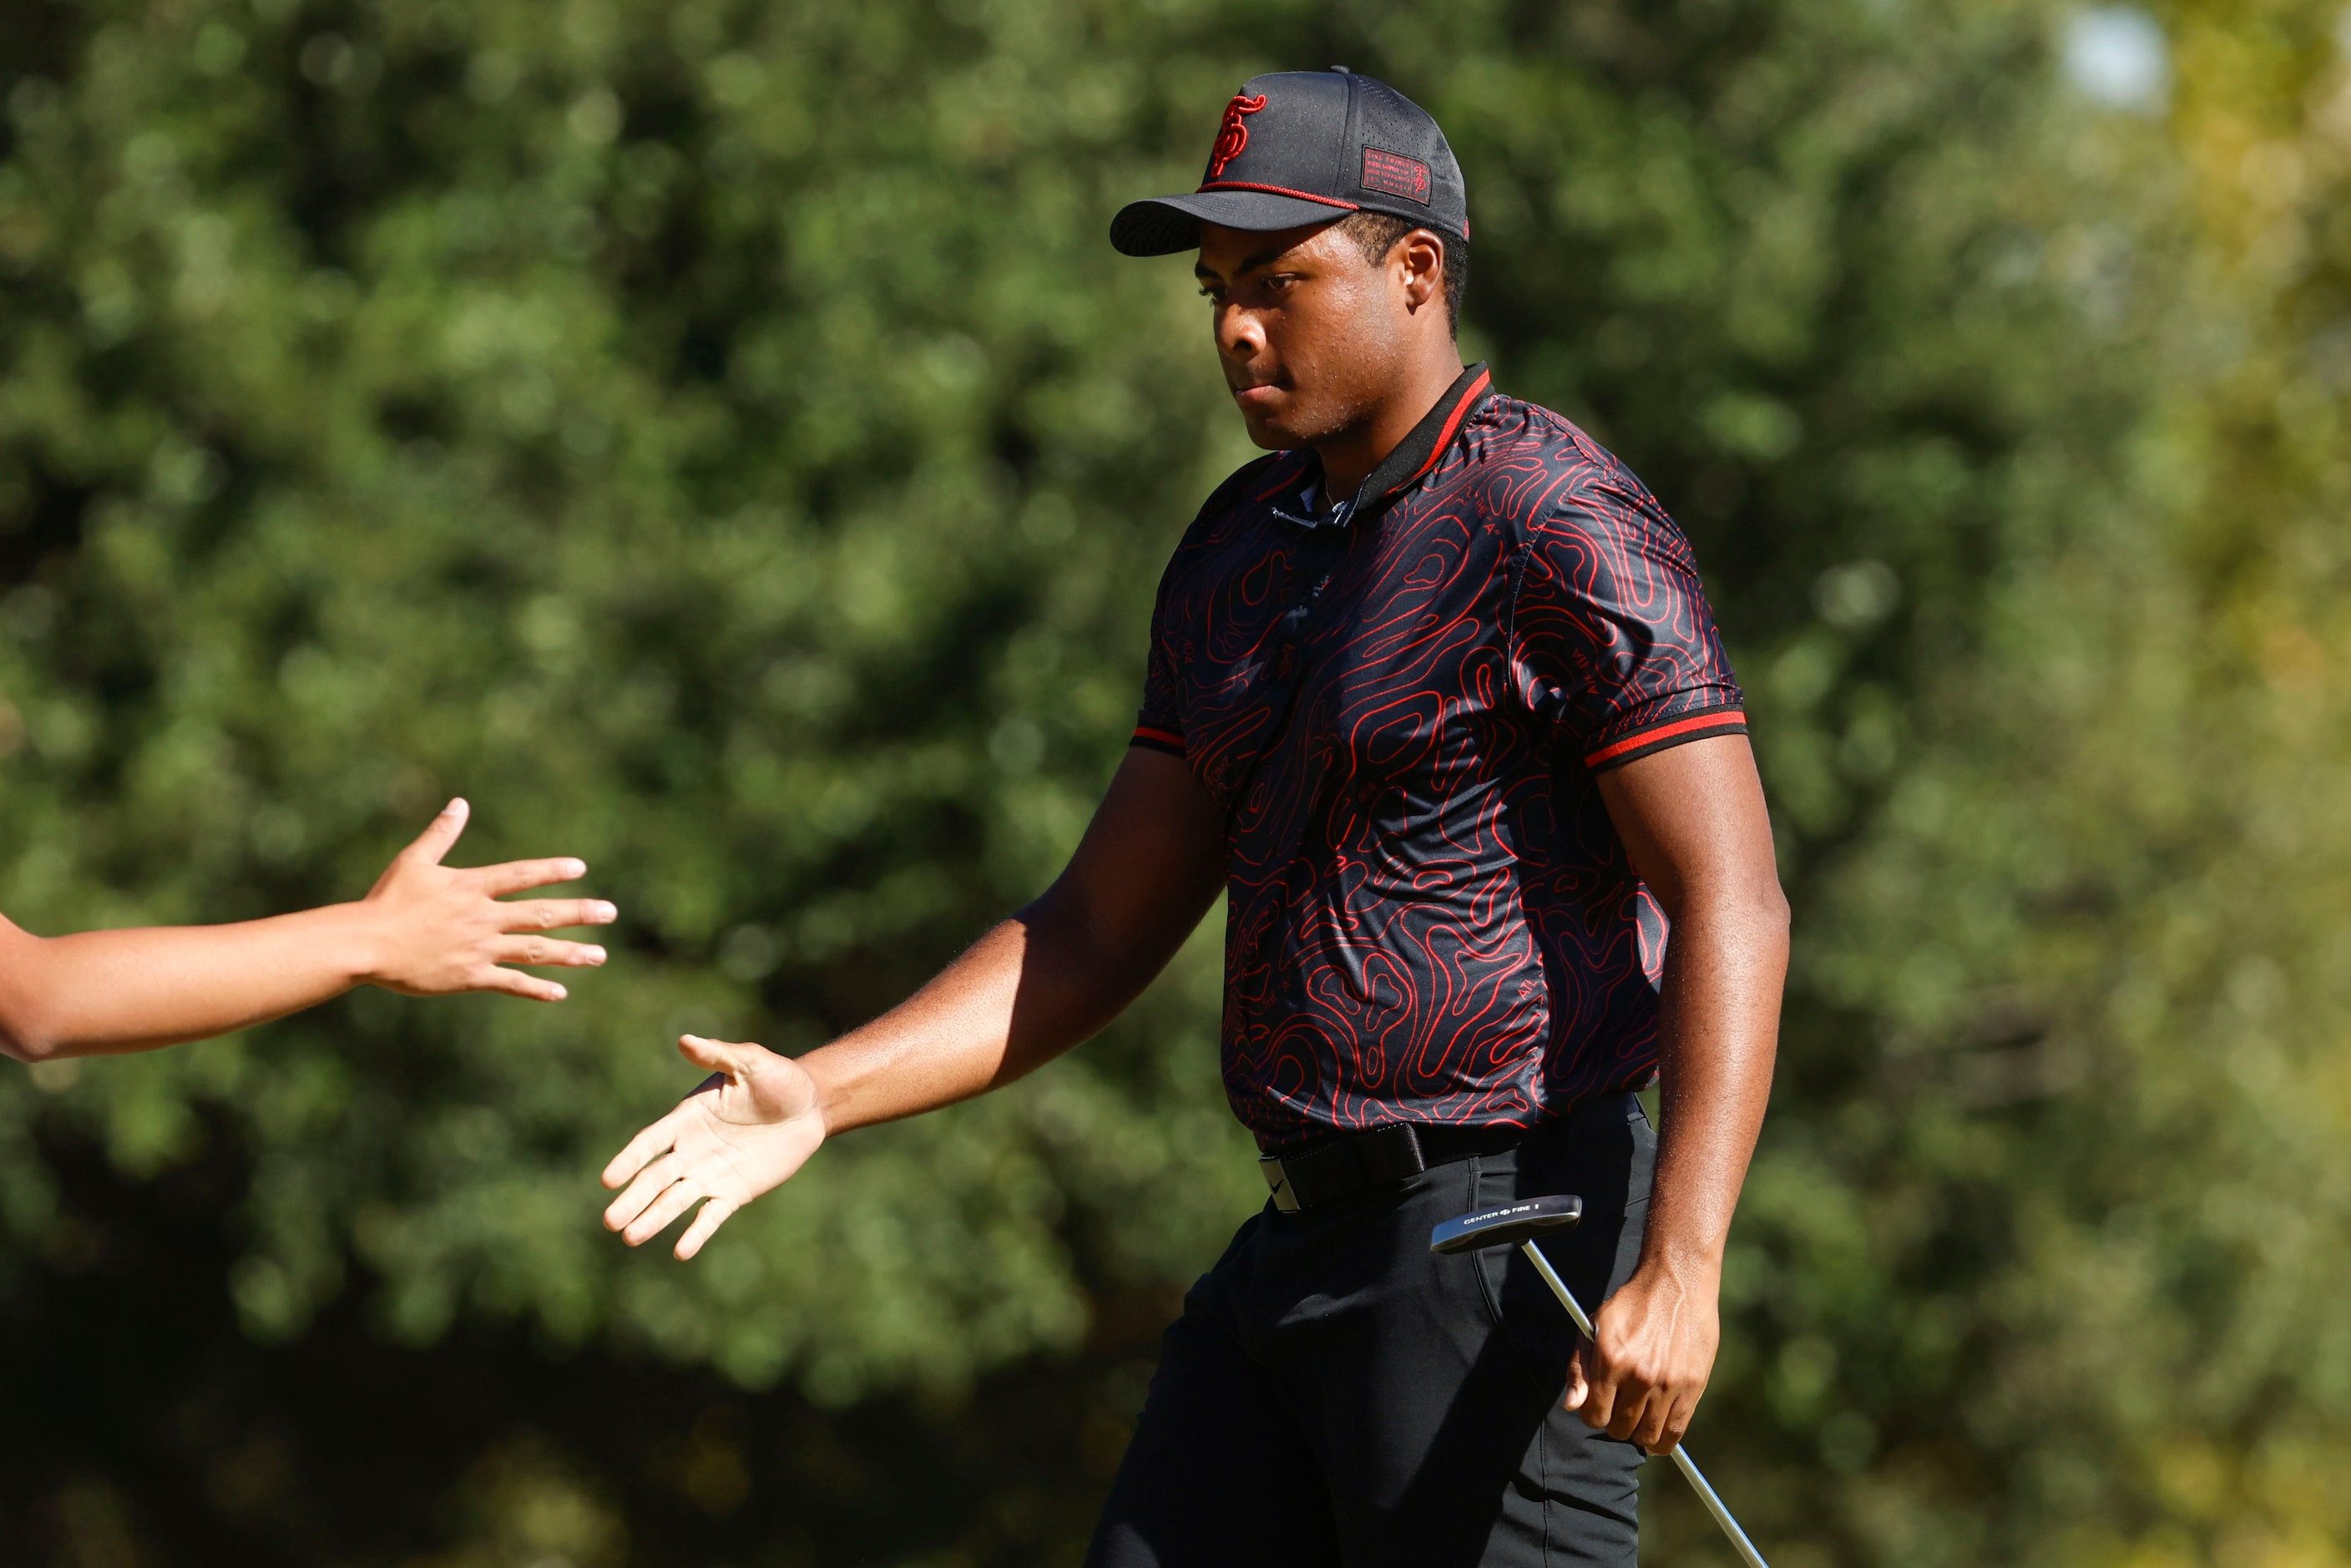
x,y
1349,456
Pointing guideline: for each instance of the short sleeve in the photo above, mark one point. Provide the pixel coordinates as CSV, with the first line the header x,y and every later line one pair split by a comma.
x,y
1611,637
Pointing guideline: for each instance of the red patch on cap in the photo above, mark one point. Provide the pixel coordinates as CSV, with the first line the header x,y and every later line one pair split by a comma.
x,y
1232,135
1397,174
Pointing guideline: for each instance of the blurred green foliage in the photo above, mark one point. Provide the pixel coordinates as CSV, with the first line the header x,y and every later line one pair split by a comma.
x,y
718,440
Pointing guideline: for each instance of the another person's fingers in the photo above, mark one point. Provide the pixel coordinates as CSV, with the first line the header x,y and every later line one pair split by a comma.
x,y
649,1183
440,833
515,983
546,950
712,1214
639,1151
514,876
674,1200
556,914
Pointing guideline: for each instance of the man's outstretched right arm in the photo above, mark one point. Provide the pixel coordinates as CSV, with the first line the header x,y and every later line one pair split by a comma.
x,y
1149,866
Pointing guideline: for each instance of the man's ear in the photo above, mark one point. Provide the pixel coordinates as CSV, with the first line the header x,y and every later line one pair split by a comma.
x,y
1421,257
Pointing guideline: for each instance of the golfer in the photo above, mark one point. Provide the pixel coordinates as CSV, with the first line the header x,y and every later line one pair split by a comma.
x,y
425,928
1435,700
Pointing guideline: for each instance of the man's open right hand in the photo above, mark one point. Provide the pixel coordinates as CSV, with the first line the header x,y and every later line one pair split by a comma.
x,y
746,1130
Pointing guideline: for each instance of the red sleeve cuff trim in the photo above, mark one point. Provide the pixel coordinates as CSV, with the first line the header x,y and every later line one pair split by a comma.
x,y
1674,732
1157,739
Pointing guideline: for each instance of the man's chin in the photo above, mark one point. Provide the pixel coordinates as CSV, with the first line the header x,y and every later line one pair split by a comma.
x,y
1271,432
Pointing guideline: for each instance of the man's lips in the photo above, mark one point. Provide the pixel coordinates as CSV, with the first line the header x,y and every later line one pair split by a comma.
x,y
1257,396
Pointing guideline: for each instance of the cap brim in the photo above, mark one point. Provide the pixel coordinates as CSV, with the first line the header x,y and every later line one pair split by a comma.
x,y
1164,225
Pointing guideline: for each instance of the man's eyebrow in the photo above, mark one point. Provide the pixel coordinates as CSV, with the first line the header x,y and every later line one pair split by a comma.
x,y
1249,264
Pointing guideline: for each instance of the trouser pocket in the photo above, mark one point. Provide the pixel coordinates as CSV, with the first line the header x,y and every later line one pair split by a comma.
x,y
1606,1155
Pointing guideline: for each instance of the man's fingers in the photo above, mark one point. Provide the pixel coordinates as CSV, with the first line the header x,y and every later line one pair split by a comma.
x,y
652,1143
513,876
650,1182
1630,1406
1578,1387
1599,1387
515,983
661,1180
555,914
1650,1430
1678,1422
441,832
714,1215
674,1200
546,950
725,1056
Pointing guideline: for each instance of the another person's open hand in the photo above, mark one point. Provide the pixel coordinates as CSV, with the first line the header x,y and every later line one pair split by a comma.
x,y
745,1130
437,930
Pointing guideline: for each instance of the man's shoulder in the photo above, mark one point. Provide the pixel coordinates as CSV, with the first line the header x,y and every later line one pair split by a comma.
x,y
1230,526
1526,419
1252,486
1551,472
1518,432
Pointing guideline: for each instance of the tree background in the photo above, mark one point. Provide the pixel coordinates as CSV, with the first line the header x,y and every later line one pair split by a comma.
x,y
718,439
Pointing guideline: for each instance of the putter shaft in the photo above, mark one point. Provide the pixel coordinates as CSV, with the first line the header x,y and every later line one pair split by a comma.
x,y
1745,1548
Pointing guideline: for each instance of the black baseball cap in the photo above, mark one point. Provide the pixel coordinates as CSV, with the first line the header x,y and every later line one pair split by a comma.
x,y
1303,146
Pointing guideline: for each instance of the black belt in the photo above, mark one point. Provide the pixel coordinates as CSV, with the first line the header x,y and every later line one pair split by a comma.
x,y
1326,1172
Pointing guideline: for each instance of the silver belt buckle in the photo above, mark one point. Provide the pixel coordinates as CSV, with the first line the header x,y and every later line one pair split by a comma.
x,y
1285,1196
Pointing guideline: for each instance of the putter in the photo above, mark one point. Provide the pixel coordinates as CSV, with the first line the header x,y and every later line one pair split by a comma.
x,y
1520,1223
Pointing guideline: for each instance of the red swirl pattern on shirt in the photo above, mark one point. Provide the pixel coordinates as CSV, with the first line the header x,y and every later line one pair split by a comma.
x,y
1430,916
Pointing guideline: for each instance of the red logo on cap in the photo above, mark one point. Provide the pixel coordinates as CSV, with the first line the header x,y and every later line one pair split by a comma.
x,y
1232,135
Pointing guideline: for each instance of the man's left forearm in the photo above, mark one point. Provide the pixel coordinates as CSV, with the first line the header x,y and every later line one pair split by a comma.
x,y
1719,1035
1694,828
1719,1024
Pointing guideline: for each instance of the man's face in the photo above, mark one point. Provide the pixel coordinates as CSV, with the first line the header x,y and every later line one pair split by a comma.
x,y
1310,335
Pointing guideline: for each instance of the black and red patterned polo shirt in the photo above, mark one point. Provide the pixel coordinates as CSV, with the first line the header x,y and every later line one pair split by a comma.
x,y
1401,707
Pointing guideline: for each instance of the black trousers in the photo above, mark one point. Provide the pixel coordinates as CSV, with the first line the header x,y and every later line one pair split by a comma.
x,y
1336,1397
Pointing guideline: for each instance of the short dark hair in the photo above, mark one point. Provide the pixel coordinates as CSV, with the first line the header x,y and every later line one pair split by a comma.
x,y
1375,233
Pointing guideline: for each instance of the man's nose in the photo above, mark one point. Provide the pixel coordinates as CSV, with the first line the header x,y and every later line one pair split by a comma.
x,y
1239,335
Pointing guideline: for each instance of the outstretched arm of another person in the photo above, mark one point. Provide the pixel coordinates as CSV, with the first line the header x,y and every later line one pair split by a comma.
x,y
1693,820
425,929
1149,866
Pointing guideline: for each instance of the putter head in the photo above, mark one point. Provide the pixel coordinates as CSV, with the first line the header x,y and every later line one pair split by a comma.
x,y
1505,1224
